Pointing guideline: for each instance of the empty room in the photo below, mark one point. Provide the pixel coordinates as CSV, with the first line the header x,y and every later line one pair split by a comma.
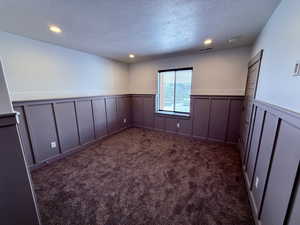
x,y
139,112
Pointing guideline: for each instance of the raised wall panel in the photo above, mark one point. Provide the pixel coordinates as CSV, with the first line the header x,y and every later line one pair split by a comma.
x,y
99,117
137,110
148,112
129,111
127,106
111,113
248,138
244,135
43,131
282,175
218,119
200,117
246,127
66,125
123,109
254,145
120,111
159,123
185,127
233,132
91,119
22,126
171,125
248,109
264,157
294,216
85,121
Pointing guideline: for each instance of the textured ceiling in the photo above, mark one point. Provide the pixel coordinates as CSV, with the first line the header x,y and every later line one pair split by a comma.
x,y
147,28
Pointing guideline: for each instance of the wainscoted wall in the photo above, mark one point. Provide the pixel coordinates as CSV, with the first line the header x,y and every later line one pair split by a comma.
x,y
271,154
50,129
271,165
212,117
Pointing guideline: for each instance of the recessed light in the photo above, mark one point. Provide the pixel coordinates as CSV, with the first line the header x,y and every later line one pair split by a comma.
x,y
55,29
208,41
131,56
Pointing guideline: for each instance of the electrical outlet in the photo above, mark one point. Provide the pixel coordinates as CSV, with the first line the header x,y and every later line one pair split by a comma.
x,y
124,120
53,144
178,125
256,182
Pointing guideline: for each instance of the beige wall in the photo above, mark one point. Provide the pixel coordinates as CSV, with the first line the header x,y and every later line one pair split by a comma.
x,y
217,73
37,70
280,40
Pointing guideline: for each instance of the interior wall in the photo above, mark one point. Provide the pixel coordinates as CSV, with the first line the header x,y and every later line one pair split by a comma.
x,y
5,104
38,70
280,41
221,72
17,204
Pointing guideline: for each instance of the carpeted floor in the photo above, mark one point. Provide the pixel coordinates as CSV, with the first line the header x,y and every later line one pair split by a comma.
x,y
145,177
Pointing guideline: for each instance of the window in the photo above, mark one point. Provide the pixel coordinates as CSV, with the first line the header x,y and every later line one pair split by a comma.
x,y
174,90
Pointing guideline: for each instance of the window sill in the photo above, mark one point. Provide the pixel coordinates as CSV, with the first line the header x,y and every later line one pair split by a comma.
x,y
173,114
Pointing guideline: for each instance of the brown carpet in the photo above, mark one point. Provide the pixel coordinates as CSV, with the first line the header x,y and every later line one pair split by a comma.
x,y
145,177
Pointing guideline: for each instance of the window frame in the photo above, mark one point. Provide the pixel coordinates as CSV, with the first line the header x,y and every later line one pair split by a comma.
x,y
171,112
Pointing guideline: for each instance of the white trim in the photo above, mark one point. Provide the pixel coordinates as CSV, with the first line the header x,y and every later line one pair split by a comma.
x,y
198,91
36,95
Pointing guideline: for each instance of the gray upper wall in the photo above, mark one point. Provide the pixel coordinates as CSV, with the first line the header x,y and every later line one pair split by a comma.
x,y
38,70
280,41
5,103
221,72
